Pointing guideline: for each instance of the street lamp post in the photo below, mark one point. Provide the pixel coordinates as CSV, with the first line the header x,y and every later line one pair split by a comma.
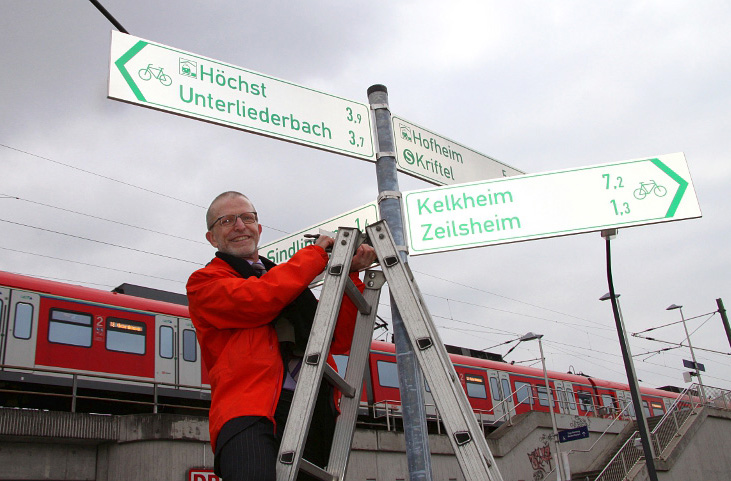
x,y
561,471
690,346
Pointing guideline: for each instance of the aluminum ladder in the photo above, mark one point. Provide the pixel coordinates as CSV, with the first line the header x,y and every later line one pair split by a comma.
x,y
465,435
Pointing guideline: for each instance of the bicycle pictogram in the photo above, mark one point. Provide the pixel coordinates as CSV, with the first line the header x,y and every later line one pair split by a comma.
x,y
647,188
156,72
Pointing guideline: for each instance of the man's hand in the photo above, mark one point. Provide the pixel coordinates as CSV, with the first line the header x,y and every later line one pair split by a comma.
x,y
364,257
324,241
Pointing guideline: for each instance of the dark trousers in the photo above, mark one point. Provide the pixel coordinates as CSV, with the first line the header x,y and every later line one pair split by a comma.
x,y
251,454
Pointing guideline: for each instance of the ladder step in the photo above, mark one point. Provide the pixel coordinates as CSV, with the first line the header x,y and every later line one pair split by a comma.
x,y
357,298
334,379
316,471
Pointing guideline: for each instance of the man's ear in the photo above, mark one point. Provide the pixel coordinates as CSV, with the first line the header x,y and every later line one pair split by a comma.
x,y
212,240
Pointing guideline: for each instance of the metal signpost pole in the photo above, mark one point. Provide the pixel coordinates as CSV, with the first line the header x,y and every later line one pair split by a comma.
x,y
628,364
389,203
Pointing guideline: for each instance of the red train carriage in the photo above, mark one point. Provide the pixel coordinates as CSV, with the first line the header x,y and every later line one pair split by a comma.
x,y
58,337
56,334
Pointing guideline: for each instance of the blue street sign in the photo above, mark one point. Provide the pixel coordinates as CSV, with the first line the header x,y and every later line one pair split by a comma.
x,y
691,365
573,434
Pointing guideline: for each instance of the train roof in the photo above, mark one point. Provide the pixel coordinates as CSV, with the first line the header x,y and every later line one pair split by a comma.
x,y
60,289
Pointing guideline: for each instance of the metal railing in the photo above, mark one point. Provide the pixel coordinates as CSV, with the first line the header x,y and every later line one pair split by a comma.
x,y
670,427
391,409
113,396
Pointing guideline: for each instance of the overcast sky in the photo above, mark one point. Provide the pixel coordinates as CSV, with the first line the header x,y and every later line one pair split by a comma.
x,y
99,192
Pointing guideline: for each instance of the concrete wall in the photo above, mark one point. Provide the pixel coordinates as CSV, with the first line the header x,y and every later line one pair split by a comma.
x,y
525,452
704,451
37,445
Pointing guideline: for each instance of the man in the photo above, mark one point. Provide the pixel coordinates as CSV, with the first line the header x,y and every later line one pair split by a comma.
x,y
251,328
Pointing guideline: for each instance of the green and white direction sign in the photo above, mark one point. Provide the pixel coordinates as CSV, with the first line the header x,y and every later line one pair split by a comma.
x,y
440,161
535,206
164,78
281,250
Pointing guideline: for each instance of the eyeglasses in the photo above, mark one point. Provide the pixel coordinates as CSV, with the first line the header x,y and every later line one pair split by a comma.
x,y
228,221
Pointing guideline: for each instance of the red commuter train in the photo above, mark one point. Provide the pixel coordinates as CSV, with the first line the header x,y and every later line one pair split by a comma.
x,y
63,344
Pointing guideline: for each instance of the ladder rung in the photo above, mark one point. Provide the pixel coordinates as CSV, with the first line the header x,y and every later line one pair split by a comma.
x,y
334,378
316,471
357,298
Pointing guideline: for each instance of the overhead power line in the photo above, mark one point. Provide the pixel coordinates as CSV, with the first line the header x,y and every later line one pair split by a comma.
x,y
128,184
100,242
7,196
90,265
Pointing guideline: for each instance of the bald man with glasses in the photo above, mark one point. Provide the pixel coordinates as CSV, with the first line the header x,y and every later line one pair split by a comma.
x,y
252,321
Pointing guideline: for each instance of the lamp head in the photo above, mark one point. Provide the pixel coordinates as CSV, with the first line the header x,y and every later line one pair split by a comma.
x,y
608,296
531,336
672,306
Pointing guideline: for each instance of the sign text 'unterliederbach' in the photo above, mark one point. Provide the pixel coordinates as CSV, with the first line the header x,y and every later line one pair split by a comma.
x,y
164,78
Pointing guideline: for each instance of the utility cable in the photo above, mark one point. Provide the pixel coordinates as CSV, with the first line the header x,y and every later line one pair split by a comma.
x,y
90,265
6,196
100,242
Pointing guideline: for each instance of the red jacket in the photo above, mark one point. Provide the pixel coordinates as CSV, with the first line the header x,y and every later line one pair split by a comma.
x,y
233,316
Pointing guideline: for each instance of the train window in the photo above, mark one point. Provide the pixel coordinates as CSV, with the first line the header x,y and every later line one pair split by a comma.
x,y
572,399
189,351
68,327
523,393
585,401
475,386
387,374
506,388
23,320
646,409
166,342
495,389
542,396
124,335
657,408
608,402
627,407
561,395
341,361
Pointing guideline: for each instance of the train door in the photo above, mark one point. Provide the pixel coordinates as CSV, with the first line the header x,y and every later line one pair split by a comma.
x,y
189,360
4,308
565,396
22,329
177,359
166,328
502,401
625,404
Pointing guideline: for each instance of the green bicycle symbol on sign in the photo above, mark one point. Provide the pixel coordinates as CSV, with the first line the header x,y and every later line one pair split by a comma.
x,y
150,72
647,188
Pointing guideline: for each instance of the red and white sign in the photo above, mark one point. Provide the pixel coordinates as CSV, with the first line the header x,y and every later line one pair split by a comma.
x,y
202,475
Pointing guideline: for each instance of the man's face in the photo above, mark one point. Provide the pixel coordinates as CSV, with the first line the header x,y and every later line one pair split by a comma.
x,y
240,240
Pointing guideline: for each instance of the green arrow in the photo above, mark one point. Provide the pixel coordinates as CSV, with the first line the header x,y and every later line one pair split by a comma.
x,y
682,183
123,70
